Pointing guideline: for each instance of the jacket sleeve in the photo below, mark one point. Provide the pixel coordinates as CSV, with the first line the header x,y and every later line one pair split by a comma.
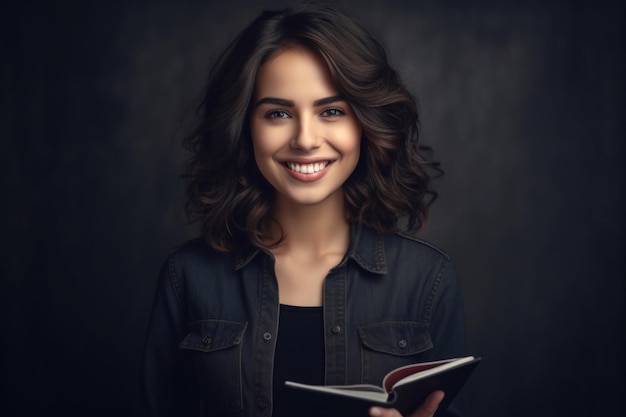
x,y
447,325
166,378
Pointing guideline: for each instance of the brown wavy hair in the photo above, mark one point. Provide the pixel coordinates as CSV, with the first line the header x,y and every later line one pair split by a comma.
x,y
226,192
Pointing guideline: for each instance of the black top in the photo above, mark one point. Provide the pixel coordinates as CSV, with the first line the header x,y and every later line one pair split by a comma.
x,y
299,354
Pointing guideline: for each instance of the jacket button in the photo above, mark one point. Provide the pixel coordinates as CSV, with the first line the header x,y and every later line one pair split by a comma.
x,y
206,340
402,344
336,330
262,404
267,336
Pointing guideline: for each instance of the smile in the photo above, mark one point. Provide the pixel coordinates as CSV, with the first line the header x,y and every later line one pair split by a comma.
x,y
307,168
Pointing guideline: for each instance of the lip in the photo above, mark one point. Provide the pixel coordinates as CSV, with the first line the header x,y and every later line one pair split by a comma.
x,y
308,176
306,160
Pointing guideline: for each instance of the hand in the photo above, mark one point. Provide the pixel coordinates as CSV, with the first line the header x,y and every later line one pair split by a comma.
x,y
427,409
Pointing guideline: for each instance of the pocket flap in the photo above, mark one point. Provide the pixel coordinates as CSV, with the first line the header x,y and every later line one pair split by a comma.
x,y
210,335
396,337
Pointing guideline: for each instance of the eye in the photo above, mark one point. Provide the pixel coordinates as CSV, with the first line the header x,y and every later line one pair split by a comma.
x,y
333,112
276,114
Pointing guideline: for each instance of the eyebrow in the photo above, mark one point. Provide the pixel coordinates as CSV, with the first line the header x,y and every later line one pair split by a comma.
x,y
290,103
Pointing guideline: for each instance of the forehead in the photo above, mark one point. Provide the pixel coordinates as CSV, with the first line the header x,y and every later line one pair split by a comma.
x,y
294,71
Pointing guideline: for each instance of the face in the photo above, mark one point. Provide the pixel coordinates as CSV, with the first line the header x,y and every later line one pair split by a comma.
x,y
306,137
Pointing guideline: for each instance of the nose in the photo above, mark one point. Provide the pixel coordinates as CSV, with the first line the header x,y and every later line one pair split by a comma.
x,y
306,137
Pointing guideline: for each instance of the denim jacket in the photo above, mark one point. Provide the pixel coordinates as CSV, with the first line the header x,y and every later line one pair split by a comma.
x,y
393,300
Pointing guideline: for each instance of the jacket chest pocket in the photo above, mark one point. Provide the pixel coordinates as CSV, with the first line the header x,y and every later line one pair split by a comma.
x,y
215,350
391,344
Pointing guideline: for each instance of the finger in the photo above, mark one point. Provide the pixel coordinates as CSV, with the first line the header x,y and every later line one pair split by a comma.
x,y
428,408
384,412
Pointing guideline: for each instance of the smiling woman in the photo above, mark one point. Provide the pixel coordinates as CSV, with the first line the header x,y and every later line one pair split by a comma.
x,y
225,190
306,138
305,159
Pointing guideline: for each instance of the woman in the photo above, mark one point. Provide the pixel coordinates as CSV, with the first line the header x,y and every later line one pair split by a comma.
x,y
304,164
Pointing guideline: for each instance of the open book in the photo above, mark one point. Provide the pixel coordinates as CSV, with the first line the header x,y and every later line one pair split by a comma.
x,y
404,389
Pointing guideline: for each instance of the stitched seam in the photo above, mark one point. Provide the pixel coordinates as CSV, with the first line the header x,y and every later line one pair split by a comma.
x,y
431,297
380,254
425,243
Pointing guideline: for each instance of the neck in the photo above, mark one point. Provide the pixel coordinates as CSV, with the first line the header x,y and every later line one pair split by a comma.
x,y
317,229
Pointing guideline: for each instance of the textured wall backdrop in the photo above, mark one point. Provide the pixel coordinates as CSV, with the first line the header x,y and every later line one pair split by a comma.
x,y
522,101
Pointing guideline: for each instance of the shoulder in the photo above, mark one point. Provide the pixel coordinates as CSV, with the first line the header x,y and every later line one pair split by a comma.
x,y
414,245
414,255
396,253
195,255
192,247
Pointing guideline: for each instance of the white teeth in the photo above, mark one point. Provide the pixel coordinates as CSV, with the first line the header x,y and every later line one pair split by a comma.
x,y
307,168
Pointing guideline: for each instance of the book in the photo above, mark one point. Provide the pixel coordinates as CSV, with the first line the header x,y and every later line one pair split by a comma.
x,y
404,389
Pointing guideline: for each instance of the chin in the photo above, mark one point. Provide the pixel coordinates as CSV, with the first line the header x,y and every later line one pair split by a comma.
x,y
309,198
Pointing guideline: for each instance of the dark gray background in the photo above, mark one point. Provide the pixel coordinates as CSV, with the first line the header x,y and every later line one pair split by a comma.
x,y
522,101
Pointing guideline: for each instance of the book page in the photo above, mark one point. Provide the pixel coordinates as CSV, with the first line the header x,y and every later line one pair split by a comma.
x,y
408,373
365,391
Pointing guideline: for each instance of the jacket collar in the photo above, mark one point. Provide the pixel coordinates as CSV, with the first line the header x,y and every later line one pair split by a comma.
x,y
367,249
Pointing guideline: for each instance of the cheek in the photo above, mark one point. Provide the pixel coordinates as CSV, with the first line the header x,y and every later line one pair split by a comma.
x,y
265,145
267,140
351,140
260,143
262,156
